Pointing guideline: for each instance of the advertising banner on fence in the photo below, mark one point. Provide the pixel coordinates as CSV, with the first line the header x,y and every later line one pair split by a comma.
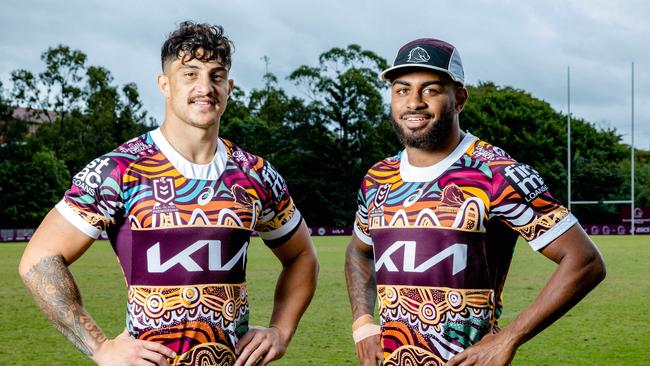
x,y
641,228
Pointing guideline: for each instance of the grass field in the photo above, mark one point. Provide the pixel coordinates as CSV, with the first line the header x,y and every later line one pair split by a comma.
x,y
611,327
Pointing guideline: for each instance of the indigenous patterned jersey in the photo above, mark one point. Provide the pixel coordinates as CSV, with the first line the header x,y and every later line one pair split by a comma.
x,y
181,233
443,237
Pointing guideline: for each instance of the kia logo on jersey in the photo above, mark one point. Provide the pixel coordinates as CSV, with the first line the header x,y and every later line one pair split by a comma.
x,y
181,256
185,260
457,252
416,256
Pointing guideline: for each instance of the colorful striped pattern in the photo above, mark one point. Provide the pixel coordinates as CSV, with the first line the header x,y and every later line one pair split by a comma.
x,y
166,227
450,228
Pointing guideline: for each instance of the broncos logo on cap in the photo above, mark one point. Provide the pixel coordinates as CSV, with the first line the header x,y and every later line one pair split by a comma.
x,y
418,54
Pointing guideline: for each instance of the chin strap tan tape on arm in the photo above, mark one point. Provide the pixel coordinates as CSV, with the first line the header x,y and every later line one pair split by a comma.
x,y
364,327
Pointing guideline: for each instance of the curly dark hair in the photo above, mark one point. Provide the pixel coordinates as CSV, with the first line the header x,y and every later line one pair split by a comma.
x,y
204,42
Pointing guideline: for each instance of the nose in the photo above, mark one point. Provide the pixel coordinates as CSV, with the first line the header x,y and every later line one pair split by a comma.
x,y
204,84
416,101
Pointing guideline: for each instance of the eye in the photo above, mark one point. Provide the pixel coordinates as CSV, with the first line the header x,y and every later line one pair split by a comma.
x,y
189,74
430,91
401,91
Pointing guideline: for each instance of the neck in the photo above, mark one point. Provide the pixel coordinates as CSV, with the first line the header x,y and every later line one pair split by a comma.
x,y
423,158
196,145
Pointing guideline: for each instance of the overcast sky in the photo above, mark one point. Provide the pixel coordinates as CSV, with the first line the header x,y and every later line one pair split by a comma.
x,y
523,44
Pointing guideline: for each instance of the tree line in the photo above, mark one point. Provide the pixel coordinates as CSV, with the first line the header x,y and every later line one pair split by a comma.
x,y
322,142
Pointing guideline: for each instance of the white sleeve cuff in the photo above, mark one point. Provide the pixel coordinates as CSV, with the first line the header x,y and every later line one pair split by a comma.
x,y
66,211
552,234
284,229
362,236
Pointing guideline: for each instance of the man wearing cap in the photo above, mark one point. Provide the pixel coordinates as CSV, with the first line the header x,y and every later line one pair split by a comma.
x,y
436,227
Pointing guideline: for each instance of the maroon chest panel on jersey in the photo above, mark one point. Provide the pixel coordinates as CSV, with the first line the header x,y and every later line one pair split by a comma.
x,y
431,257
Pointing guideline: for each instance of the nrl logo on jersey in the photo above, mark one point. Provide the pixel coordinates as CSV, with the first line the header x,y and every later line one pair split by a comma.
x,y
376,213
164,193
525,180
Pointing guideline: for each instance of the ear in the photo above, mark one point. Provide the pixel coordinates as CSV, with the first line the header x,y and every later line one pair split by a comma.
x,y
231,84
163,85
461,98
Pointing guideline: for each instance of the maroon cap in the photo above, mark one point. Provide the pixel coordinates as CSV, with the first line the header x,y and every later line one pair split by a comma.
x,y
428,53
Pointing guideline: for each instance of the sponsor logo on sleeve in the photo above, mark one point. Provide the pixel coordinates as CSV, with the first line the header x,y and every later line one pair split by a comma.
x,y
274,181
525,180
90,177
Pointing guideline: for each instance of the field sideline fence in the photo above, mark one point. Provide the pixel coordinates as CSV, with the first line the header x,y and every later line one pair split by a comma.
x,y
14,235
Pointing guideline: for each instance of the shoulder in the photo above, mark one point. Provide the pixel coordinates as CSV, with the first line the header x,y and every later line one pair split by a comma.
x,y
246,161
497,159
488,153
257,170
384,169
140,146
112,165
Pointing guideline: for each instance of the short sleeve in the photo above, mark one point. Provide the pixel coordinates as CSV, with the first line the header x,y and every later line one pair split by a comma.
x,y
361,228
521,199
95,198
280,218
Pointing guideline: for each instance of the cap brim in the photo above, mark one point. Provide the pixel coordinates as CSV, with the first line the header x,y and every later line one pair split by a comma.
x,y
384,74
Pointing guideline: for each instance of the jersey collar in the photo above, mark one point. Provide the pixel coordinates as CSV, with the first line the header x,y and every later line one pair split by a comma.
x,y
412,173
210,171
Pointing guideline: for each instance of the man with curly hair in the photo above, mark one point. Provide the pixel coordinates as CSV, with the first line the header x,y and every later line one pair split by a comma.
x,y
179,205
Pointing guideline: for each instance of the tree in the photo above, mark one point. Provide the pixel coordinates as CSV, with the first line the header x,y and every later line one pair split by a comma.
x,y
533,133
31,182
12,130
345,128
89,115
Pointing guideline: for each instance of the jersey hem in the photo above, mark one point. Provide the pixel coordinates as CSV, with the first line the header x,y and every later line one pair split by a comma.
x,y
557,230
362,236
68,213
283,230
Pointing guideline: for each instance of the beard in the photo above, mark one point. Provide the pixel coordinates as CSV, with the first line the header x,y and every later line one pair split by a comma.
x,y
437,132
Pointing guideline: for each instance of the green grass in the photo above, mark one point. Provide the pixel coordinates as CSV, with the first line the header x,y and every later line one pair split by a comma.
x,y
610,327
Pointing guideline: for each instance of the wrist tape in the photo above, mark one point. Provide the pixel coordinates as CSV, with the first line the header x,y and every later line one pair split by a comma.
x,y
364,327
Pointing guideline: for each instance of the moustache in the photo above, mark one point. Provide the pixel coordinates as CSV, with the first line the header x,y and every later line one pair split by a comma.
x,y
211,98
425,114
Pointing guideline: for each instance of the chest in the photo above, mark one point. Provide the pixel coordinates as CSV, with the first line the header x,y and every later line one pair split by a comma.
x,y
458,201
168,199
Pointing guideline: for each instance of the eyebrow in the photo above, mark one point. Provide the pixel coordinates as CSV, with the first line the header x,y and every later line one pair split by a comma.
x,y
186,66
424,84
194,67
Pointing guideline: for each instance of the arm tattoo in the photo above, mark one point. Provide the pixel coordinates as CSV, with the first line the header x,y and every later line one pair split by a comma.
x,y
360,277
57,294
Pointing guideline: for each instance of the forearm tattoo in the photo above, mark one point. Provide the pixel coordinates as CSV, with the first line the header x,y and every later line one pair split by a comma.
x,y
360,277
57,294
